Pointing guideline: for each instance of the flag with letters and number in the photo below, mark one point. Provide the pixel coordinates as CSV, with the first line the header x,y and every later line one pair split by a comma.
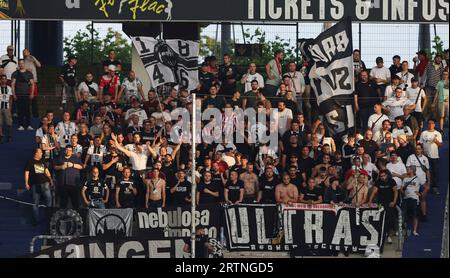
x,y
331,74
169,61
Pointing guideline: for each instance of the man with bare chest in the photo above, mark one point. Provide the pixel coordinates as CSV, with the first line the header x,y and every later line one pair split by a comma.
x,y
156,190
251,184
286,192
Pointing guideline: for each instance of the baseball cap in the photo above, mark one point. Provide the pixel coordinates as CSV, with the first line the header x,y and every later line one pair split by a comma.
x,y
421,52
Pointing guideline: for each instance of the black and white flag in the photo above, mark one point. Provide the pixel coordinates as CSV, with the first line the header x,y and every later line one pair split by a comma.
x,y
331,74
169,61
110,222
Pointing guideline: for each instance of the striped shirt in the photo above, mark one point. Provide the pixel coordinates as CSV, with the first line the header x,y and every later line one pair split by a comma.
x,y
5,97
433,75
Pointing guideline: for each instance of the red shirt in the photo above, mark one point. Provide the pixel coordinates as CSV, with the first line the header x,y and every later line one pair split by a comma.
x,y
111,83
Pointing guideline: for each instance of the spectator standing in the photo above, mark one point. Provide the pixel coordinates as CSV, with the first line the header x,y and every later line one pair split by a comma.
x,y
376,120
125,190
296,84
38,180
381,76
365,98
274,73
132,86
65,129
397,169
205,78
208,191
412,188
396,66
405,76
390,90
441,99
9,63
110,82
89,87
394,106
267,183
68,79
95,193
418,98
68,168
234,188
22,83
433,73
6,102
420,65
432,141
32,64
228,75
358,64
251,75
286,192
111,60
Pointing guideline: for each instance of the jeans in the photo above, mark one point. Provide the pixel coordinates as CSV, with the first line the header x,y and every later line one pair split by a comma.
x,y
97,203
38,191
434,171
35,107
364,114
23,110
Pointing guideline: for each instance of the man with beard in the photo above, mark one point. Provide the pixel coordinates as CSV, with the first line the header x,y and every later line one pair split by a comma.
x,y
90,87
181,191
234,189
152,104
228,75
267,184
208,190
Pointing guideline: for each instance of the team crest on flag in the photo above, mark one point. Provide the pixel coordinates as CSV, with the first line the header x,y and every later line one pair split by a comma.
x,y
169,61
331,74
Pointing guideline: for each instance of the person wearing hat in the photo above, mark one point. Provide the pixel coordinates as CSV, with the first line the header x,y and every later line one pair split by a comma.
x,y
405,76
380,75
110,82
68,79
9,63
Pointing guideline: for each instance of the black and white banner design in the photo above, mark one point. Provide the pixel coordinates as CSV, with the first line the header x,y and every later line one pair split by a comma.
x,y
110,222
322,227
332,74
173,222
169,61
94,247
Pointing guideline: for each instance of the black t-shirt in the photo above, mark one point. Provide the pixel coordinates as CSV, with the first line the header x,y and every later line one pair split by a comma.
x,y
69,73
226,73
206,198
370,147
85,142
297,181
201,248
113,169
385,193
22,82
37,172
108,62
311,194
336,196
234,190
126,196
183,190
206,79
289,150
268,189
405,151
306,165
367,94
95,189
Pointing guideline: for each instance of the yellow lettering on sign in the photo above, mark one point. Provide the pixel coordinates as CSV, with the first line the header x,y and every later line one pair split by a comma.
x,y
144,6
103,5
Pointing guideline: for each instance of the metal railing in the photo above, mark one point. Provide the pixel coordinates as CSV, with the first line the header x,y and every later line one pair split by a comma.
x,y
47,237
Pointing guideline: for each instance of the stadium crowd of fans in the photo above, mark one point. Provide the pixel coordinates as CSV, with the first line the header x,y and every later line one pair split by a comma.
x,y
115,149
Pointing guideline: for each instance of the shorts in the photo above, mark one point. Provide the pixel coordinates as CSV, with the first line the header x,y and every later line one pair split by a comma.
x,y
443,109
410,208
5,115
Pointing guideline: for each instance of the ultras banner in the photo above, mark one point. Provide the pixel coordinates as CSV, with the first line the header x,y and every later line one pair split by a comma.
x,y
398,11
319,227
94,247
331,74
167,223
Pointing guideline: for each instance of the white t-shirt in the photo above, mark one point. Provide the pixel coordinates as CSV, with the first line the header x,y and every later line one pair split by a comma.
x,y
389,92
136,111
97,156
250,77
427,139
161,118
396,107
83,87
382,73
131,88
398,168
406,78
411,94
370,168
412,160
376,121
281,118
399,131
11,67
5,97
296,83
39,133
413,185
65,131
139,160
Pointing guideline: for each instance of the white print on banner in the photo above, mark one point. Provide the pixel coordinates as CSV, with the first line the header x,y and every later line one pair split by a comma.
x,y
176,223
390,10
73,4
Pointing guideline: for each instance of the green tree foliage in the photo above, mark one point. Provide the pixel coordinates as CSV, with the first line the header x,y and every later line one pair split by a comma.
x,y
210,46
95,51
